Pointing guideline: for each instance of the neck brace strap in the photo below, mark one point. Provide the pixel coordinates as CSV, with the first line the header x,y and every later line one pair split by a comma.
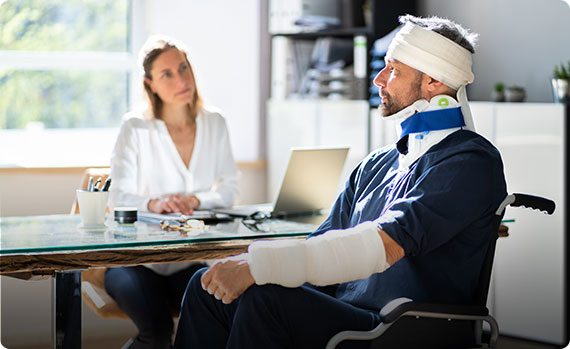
x,y
432,120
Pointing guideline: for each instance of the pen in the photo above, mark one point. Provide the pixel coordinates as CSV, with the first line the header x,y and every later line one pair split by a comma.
x,y
107,184
90,185
97,184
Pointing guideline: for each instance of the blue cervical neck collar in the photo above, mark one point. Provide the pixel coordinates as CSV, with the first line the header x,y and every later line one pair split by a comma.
x,y
432,120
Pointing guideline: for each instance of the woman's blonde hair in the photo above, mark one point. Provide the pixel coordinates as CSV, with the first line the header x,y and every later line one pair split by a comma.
x,y
152,48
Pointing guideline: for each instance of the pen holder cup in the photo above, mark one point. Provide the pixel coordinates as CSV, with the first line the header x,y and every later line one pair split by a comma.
x,y
92,207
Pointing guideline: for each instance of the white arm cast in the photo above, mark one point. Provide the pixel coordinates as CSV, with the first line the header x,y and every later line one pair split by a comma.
x,y
330,258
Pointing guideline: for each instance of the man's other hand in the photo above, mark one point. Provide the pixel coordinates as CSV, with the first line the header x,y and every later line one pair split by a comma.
x,y
228,278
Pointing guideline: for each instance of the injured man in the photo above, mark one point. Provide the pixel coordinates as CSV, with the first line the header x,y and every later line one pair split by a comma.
x,y
414,219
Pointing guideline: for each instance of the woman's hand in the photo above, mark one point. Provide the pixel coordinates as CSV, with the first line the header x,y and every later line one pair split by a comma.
x,y
228,278
174,203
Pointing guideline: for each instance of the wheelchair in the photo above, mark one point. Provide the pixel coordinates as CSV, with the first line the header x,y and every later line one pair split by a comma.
x,y
443,325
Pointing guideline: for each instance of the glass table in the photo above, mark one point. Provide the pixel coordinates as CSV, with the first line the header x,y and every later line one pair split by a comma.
x,y
57,245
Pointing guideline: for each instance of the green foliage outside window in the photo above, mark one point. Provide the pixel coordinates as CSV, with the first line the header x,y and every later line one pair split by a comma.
x,y
64,25
63,98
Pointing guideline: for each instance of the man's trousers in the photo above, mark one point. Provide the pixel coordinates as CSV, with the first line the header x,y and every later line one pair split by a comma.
x,y
267,316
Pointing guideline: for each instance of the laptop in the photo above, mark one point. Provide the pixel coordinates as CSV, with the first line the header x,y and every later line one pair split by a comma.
x,y
309,185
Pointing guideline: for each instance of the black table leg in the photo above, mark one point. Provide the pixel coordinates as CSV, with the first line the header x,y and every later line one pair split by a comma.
x,y
66,310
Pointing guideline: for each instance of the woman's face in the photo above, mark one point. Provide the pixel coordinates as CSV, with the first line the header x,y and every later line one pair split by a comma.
x,y
172,79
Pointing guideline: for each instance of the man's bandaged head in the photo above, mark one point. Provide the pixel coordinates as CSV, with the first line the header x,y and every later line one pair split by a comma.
x,y
433,54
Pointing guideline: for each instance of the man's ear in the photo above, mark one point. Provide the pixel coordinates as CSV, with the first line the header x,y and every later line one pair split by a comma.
x,y
434,85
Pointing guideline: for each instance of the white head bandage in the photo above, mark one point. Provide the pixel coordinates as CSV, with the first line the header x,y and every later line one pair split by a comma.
x,y
438,57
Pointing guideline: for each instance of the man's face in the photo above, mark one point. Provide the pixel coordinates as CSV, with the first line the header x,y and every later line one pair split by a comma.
x,y
400,86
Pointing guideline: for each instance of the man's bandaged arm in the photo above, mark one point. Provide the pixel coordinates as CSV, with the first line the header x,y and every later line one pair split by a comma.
x,y
333,257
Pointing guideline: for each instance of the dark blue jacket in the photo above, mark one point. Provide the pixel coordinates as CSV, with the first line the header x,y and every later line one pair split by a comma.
x,y
439,210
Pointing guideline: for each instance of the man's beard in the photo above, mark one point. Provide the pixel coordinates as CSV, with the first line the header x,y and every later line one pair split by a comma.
x,y
387,106
392,105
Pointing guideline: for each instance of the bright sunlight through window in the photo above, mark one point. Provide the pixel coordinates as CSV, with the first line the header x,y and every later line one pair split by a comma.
x,y
65,76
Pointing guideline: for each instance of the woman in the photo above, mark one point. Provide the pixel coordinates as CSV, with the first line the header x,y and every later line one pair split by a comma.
x,y
175,157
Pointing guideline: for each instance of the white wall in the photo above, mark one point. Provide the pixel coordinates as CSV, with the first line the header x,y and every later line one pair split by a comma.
x,y
223,42
520,41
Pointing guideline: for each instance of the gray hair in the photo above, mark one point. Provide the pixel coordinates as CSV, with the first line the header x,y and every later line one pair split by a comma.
x,y
445,27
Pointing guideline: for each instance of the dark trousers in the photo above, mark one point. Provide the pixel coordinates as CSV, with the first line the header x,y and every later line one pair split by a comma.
x,y
268,316
150,300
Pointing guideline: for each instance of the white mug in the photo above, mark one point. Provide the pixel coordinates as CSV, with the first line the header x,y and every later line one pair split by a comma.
x,y
92,207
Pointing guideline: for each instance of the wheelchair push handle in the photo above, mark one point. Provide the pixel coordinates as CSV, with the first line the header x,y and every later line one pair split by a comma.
x,y
534,202
526,200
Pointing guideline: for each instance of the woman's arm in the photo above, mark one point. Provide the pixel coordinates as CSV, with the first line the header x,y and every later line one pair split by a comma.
x,y
124,170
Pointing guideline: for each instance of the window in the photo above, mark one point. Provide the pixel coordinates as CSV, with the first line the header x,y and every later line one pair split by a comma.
x,y
66,69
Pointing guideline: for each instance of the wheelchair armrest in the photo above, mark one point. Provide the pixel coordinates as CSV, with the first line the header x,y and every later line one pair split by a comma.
x,y
405,306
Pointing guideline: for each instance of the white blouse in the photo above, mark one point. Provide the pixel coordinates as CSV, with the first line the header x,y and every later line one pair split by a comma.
x,y
146,165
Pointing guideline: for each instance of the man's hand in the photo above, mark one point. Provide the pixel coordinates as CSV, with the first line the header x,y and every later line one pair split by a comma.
x,y
174,203
228,278
394,252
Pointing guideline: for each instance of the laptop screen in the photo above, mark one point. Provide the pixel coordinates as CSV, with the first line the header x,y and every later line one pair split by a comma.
x,y
311,180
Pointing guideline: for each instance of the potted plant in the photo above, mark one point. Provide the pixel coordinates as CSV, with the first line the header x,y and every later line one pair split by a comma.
x,y
560,83
498,94
515,94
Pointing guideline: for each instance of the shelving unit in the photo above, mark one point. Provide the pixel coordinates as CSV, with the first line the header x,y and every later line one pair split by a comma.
x,y
322,122
340,32
383,19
